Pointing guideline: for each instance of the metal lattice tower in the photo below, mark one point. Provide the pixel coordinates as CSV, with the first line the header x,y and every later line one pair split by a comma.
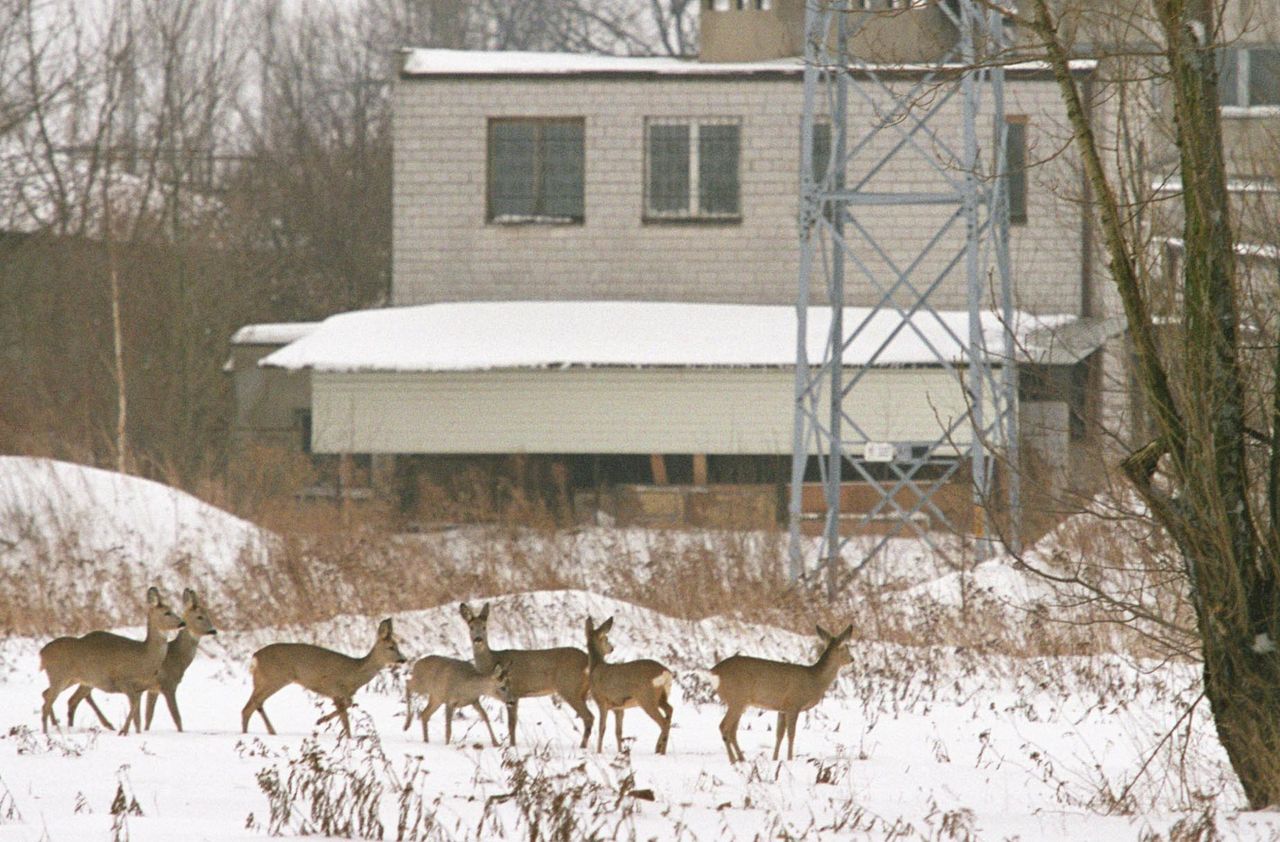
x,y
906,122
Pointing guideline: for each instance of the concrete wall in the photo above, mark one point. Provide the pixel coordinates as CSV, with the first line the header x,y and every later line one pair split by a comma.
x,y
444,250
607,410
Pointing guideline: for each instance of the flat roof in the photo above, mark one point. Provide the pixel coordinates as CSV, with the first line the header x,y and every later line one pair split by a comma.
x,y
424,62
477,336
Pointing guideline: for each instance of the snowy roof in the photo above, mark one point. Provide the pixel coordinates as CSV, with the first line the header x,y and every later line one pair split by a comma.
x,y
279,333
433,62
476,336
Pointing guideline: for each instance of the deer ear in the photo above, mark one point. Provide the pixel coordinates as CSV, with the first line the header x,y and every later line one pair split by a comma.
x,y
484,612
384,629
465,611
189,598
590,625
606,625
824,634
847,633
499,670
153,596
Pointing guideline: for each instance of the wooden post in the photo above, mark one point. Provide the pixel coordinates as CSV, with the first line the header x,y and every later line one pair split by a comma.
x,y
699,469
658,464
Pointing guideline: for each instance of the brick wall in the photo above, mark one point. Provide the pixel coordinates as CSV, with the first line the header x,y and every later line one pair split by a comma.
x,y
444,250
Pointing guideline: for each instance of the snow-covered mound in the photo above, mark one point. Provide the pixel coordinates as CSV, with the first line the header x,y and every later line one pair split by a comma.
x,y
67,521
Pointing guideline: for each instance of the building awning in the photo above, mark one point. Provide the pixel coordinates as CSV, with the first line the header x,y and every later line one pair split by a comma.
x,y
1073,341
476,336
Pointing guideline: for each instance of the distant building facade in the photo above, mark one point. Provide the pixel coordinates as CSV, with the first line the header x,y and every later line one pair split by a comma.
x,y
564,178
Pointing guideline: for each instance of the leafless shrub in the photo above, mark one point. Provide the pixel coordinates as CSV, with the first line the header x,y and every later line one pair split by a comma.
x,y
573,805
9,812
123,805
28,741
339,791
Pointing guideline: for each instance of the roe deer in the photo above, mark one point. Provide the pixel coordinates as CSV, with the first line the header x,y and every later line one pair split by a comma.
x,y
616,687
532,672
744,682
110,663
179,655
453,683
322,671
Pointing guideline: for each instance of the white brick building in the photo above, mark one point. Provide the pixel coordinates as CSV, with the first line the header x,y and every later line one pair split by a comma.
x,y
554,178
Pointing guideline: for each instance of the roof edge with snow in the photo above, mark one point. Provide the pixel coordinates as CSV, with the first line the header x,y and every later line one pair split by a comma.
x,y
493,335
418,62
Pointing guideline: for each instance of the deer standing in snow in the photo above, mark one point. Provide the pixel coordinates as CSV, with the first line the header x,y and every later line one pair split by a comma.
x,y
322,671
110,663
615,687
453,683
742,682
180,653
532,672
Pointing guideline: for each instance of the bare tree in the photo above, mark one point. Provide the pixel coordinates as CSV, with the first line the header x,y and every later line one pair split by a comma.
x,y
1210,473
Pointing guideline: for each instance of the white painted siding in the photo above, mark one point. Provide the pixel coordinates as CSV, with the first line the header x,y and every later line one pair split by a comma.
x,y
725,411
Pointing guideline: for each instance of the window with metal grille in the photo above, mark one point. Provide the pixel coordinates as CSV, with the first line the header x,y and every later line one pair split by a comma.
x,y
535,170
1249,77
1015,162
691,169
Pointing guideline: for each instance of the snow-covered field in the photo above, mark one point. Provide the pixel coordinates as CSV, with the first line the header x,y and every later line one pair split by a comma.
x,y
936,742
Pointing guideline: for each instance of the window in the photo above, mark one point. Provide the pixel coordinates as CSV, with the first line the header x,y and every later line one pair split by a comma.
x,y
821,149
738,5
535,170
1015,162
691,169
1249,76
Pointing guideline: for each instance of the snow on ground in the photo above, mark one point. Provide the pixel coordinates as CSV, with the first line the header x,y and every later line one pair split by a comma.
x,y
72,524
930,743
935,742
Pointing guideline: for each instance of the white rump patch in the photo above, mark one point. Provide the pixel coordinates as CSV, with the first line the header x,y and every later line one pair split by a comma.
x,y
663,680
715,681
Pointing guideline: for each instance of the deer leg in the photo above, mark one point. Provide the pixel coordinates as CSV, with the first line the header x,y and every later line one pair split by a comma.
x,y
512,714
151,708
51,694
604,720
342,715
663,718
484,716
779,732
579,705
408,709
429,711
669,713
617,726
256,700
135,715
729,733
448,723
82,692
792,719
106,723
171,701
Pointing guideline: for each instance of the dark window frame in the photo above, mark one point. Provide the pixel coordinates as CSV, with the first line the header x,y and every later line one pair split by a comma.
x,y
538,216
693,213
1238,83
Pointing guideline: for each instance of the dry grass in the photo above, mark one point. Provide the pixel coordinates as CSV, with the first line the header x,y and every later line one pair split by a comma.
x,y
501,540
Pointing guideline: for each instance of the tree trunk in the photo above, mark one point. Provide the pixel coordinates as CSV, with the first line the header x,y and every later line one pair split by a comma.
x,y
1205,500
